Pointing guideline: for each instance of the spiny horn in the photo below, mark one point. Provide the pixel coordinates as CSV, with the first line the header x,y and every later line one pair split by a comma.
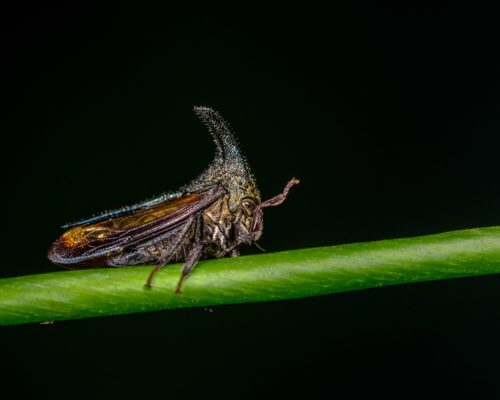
x,y
227,145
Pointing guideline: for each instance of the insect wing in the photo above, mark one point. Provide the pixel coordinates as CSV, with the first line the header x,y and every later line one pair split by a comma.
x,y
125,211
84,246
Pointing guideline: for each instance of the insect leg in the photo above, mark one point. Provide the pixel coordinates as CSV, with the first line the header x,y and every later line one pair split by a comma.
x,y
277,200
235,252
171,251
260,247
193,258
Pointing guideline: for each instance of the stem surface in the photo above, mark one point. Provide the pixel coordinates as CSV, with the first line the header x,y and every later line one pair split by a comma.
x,y
266,277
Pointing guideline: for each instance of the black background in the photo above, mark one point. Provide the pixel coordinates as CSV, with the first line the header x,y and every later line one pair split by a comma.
x,y
389,115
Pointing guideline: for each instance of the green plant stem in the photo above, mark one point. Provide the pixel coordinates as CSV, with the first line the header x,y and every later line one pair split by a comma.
x,y
266,277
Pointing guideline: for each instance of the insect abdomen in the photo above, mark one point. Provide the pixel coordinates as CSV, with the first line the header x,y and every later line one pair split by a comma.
x,y
153,253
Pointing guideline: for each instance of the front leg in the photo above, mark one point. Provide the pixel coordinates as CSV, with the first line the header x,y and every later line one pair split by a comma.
x,y
277,200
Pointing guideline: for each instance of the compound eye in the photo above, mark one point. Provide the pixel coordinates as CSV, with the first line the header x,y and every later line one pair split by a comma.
x,y
248,206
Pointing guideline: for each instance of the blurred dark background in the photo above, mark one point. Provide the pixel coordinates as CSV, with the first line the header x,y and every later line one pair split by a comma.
x,y
389,115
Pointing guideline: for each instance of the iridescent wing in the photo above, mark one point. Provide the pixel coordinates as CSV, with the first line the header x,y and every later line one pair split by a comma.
x,y
125,211
86,243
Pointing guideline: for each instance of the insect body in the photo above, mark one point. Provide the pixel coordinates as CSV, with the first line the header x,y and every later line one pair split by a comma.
x,y
210,217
